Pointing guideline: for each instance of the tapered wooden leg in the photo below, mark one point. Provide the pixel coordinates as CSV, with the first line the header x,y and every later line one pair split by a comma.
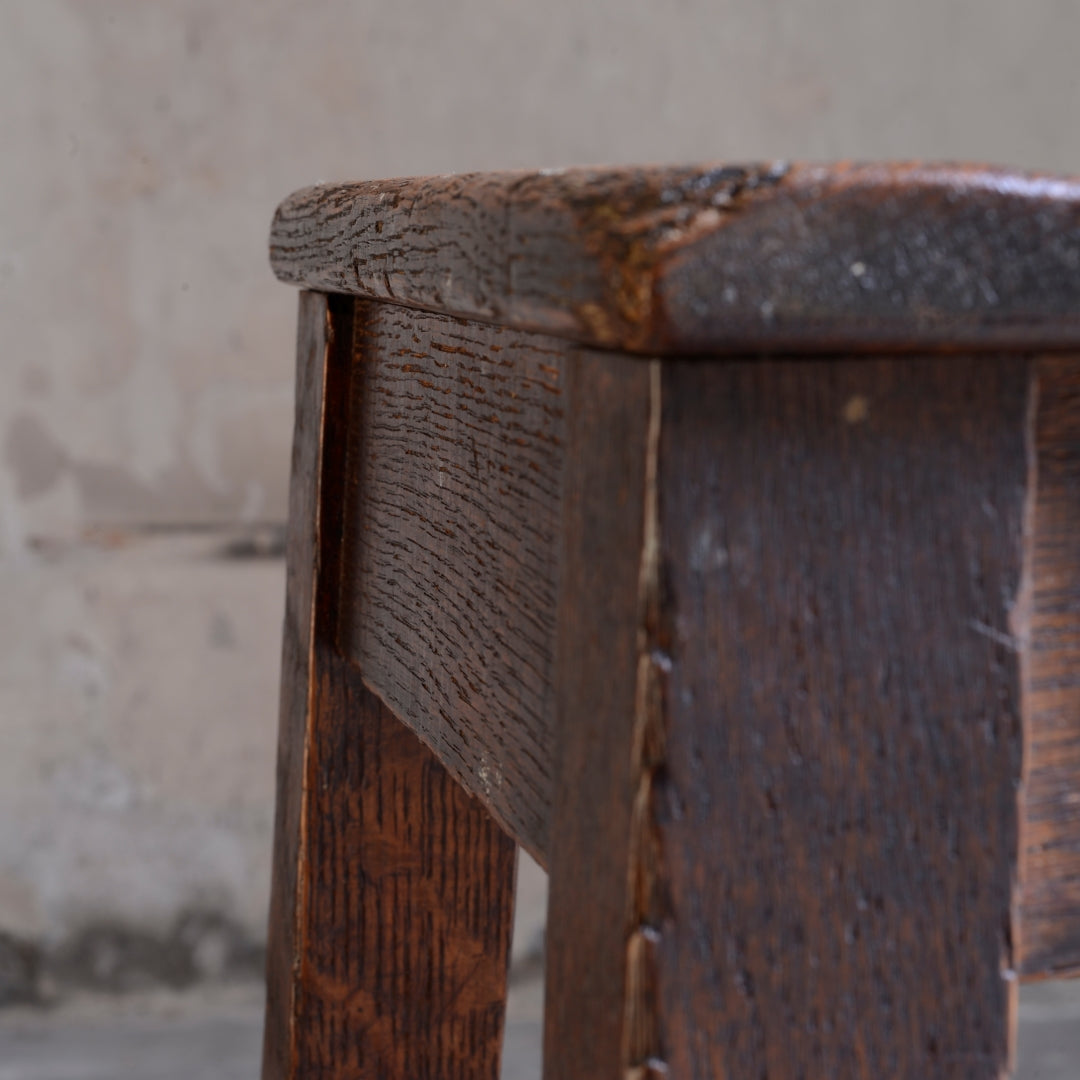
x,y
1050,827
393,889
792,639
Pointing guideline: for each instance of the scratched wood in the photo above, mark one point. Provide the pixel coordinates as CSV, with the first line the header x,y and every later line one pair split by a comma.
x,y
1050,878
451,540
314,338
710,259
755,655
834,796
392,888
408,908
602,624
450,581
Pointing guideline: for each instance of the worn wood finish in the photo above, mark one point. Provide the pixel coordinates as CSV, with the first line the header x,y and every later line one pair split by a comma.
x,y
393,888
451,545
1050,860
770,661
834,800
602,634
786,816
314,334
710,259
409,904
450,578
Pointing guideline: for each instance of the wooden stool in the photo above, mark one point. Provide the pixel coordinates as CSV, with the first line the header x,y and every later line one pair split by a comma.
x,y
714,534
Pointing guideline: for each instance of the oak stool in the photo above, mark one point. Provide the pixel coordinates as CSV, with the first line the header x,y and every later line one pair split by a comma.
x,y
713,534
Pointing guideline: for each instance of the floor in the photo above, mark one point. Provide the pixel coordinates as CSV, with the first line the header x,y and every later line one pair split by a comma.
x,y
217,1035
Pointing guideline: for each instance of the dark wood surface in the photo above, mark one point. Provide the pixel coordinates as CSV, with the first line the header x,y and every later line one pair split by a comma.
x,y
603,637
835,804
450,579
1050,851
393,888
314,335
710,259
408,905
785,817
451,536
771,661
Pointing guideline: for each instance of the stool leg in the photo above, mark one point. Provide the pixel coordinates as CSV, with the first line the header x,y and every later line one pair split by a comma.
x,y
392,898
790,727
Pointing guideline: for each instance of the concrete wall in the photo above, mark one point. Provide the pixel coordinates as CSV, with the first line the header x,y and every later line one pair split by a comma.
x,y
145,388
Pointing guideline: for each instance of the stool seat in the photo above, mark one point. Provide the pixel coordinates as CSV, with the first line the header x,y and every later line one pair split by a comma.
x,y
708,259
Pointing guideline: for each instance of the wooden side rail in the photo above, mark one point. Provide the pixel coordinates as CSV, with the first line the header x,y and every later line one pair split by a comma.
x,y
771,660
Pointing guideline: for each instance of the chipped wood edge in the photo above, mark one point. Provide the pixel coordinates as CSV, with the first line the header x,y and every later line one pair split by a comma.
x,y
711,258
288,902
642,1047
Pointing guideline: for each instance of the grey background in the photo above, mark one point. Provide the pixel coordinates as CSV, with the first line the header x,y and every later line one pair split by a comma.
x,y
145,389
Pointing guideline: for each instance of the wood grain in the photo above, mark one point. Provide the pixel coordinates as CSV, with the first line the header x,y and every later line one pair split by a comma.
x,y
835,805
710,259
451,536
602,635
1050,856
315,335
393,889
740,650
450,578
408,905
